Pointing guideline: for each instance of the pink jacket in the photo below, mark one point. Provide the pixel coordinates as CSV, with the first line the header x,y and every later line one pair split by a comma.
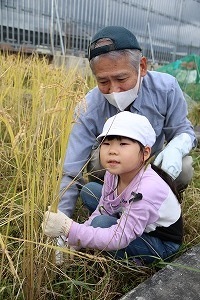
x,y
158,207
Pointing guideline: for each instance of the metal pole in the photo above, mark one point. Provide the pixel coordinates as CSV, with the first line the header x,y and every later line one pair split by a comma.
x,y
52,28
178,30
151,44
59,28
146,33
107,12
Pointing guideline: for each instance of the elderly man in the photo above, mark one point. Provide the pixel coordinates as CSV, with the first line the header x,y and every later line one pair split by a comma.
x,y
123,83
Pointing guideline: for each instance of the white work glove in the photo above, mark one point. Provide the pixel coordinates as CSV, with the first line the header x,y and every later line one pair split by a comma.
x,y
56,224
170,159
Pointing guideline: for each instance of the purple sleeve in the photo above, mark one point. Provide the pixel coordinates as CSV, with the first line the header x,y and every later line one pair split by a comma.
x,y
131,225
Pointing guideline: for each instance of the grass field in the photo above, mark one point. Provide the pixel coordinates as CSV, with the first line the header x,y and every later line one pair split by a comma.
x,y
36,106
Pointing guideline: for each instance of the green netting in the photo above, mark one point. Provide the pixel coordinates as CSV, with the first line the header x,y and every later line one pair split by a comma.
x,y
187,72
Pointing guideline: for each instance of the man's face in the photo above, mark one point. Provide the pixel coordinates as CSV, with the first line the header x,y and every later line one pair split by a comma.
x,y
114,74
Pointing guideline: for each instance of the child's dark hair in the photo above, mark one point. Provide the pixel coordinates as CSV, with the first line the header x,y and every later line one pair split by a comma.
x,y
169,180
119,138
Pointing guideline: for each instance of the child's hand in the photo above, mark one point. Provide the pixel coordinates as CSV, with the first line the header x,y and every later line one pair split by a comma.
x,y
56,224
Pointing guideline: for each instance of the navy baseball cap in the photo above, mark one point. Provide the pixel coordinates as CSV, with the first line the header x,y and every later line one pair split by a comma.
x,y
121,38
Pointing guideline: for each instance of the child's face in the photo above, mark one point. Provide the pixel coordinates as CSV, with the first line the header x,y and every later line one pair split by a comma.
x,y
122,156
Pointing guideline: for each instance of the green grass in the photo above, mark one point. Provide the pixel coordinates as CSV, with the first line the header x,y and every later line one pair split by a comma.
x,y
193,90
36,113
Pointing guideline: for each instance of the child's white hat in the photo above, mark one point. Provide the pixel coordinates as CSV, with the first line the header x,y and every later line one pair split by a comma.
x,y
130,125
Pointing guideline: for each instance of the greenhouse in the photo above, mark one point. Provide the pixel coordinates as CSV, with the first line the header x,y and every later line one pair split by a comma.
x,y
166,30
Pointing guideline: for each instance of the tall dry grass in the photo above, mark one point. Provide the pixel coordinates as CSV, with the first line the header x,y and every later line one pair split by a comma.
x,y
36,114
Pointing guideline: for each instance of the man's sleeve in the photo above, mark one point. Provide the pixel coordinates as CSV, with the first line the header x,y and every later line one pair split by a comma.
x,y
176,119
79,147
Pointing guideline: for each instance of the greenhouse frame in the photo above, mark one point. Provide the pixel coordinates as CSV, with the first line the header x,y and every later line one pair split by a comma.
x,y
166,30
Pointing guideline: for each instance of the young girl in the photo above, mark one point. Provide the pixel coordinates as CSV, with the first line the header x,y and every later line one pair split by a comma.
x,y
138,215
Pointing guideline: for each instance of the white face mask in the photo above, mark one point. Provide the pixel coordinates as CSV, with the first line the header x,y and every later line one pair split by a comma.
x,y
122,100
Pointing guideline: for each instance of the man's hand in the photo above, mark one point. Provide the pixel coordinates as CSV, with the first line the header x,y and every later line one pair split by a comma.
x,y
56,224
170,159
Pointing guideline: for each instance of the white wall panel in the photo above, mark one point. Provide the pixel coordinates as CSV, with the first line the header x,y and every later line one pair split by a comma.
x,y
173,26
